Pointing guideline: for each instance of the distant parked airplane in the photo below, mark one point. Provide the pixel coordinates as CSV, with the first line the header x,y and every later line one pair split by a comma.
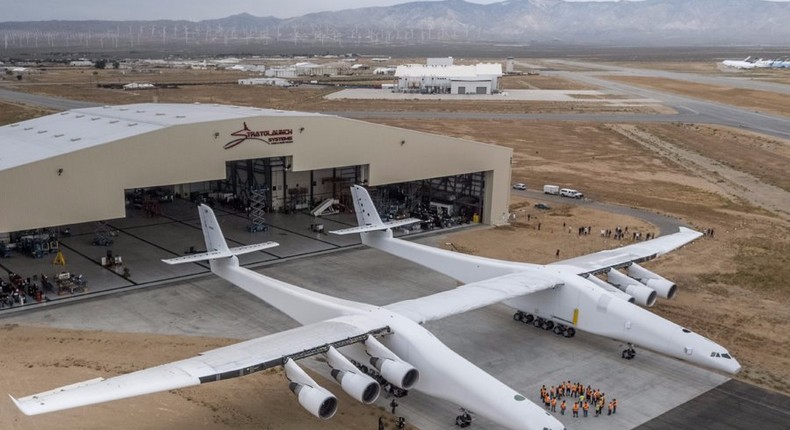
x,y
739,64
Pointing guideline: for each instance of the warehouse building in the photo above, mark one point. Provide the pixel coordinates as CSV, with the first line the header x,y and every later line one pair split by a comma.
x,y
440,77
84,164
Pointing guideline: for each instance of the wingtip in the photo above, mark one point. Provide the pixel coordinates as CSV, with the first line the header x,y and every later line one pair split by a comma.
x,y
19,405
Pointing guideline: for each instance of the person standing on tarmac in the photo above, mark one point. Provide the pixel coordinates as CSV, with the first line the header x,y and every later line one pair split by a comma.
x,y
614,406
562,408
576,409
586,407
611,405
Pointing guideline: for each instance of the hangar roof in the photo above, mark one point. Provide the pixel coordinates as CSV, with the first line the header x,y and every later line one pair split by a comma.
x,y
455,71
53,135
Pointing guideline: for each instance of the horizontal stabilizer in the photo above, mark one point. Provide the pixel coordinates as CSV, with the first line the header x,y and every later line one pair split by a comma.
x,y
213,255
376,227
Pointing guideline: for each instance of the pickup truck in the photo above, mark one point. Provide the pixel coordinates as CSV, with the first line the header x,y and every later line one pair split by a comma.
x,y
570,192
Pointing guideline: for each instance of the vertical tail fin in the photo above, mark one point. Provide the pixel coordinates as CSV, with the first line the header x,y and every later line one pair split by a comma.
x,y
212,234
367,215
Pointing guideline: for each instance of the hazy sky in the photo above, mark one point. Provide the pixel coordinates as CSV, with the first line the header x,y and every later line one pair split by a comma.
x,y
194,10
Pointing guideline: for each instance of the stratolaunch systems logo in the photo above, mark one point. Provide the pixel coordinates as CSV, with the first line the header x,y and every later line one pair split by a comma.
x,y
271,137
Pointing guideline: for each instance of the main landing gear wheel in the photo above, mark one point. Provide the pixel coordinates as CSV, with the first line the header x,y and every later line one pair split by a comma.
x,y
545,324
629,353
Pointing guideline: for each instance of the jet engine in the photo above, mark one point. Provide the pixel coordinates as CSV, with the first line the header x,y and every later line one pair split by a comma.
x,y
643,294
610,288
356,384
391,367
313,397
664,287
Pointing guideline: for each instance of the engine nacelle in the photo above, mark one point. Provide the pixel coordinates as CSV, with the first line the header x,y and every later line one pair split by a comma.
x,y
612,289
400,373
391,367
643,294
361,387
313,397
664,287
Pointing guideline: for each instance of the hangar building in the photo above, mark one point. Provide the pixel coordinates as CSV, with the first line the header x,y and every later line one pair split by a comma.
x,y
482,78
81,165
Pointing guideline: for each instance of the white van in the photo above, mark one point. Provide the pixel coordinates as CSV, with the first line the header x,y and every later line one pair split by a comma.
x,y
570,192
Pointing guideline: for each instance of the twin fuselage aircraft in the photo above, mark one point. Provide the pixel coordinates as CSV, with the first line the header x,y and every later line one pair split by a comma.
x,y
367,345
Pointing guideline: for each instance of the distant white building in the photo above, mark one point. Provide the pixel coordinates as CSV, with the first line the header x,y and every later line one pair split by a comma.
x,y
249,68
439,61
384,71
280,72
277,82
481,78
82,62
138,86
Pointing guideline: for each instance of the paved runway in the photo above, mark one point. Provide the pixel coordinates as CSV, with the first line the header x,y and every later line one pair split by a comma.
x,y
733,405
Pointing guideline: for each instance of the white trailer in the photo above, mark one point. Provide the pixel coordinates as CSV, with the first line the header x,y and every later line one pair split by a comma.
x,y
551,189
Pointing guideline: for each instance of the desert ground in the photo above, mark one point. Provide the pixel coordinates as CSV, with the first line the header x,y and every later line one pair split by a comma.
x,y
734,287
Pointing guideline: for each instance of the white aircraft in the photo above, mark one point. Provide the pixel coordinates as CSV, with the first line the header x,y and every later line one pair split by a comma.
x,y
391,339
740,64
578,299
352,336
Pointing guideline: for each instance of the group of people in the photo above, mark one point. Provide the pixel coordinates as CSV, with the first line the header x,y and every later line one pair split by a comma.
x,y
618,233
581,397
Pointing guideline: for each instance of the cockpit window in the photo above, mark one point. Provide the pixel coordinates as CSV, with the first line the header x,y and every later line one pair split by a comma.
x,y
721,355
685,330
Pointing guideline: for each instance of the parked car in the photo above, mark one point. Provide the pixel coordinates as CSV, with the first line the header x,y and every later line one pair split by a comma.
x,y
542,206
519,186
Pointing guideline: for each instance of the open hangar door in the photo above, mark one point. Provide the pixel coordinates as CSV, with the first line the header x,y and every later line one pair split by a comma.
x,y
439,202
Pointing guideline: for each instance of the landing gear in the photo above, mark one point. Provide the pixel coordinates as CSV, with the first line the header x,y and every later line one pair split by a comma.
x,y
629,352
545,324
525,318
464,420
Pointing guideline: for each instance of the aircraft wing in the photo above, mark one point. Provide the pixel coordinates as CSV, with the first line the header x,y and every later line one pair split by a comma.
x,y
475,295
223,363
635,253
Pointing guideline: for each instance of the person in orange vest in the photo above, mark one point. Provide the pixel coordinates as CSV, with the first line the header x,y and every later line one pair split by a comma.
x,y
611,406
614,406
576,409
586,408
554,404
562,408
547,401
573,390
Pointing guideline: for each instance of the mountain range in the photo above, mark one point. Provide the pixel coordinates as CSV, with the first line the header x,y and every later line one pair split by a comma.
x,y
519,22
